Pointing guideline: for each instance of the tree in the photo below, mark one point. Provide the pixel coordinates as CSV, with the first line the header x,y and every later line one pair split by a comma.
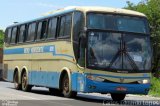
x,y
1,38
151,8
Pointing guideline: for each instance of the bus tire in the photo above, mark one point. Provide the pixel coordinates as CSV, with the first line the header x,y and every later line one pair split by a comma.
x,y
66,91
25,86
117,97
17,85
55,92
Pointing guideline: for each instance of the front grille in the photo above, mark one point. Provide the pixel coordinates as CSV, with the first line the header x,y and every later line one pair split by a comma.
x,y
107,81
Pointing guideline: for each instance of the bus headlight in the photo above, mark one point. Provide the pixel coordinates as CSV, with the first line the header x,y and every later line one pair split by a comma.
x,y
144,81
100,79
91,77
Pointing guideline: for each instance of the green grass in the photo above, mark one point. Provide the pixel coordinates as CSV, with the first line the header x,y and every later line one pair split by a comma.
x,y
155,87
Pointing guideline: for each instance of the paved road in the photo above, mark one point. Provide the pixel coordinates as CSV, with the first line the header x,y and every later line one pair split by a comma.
x,y
41,97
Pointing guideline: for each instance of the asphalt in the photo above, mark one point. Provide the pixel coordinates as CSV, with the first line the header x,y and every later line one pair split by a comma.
x,y
41,97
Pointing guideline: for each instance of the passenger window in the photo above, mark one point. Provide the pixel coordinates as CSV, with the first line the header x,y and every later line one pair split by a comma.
x,y
31,32
65,25
22,33
9,35
42,29
62,27
68,25
78,24
52,28
39,30
14,34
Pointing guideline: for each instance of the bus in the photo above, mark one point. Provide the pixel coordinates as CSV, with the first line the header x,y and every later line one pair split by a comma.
x,y
81,49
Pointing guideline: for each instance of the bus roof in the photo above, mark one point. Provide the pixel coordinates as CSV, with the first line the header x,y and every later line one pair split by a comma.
x,y
98,9
109,10
85,9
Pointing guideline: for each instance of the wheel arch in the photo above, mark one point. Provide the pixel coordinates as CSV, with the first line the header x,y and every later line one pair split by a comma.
x,y
64,71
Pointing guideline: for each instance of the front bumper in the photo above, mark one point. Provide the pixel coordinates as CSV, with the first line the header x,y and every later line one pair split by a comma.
x,y
106,87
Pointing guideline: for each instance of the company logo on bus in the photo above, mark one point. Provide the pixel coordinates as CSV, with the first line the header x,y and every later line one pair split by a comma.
x,y
121,80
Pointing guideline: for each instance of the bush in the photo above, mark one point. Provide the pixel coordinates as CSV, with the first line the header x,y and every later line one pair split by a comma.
x,y
1,38
155,87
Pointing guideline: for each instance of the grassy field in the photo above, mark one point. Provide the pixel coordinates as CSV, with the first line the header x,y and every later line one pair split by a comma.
x,y
155,87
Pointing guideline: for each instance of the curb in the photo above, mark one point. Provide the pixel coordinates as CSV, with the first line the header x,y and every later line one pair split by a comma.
x,y
149,96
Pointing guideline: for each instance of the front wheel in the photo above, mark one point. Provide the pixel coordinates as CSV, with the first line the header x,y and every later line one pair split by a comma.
x,y
118,97
25,85
66,90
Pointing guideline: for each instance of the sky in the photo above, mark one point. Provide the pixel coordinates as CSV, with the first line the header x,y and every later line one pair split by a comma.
x,y
24,10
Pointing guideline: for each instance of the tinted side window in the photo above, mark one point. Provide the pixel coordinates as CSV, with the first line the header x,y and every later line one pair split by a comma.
x,y
31,32
68,24
14,34
78,24
9,32
65,25
52,28
22,33
42,29
62,26
39,30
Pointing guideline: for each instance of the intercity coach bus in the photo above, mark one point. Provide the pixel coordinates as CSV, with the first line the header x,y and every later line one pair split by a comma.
x,y
81,49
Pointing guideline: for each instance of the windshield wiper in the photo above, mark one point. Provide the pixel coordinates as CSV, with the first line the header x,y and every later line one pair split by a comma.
x,y
132,62
121,51
114,58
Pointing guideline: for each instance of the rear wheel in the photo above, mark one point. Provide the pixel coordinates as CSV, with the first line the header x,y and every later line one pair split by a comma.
x,y
25,85
17,85
118,97
66,90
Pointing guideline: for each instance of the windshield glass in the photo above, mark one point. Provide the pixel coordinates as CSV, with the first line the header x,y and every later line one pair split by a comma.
x,y
108,50
117,22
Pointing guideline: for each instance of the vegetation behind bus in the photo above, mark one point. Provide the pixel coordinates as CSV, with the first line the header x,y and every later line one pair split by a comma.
x,y
152,9
1,38
1,52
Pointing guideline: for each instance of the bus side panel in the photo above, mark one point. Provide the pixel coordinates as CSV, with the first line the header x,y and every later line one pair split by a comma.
x,y
74,81
78,81
44,78
53,79
8,71
43,62
10,75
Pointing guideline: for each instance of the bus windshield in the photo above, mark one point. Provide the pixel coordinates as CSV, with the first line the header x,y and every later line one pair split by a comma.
x,y
128,49
119,51
117,22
